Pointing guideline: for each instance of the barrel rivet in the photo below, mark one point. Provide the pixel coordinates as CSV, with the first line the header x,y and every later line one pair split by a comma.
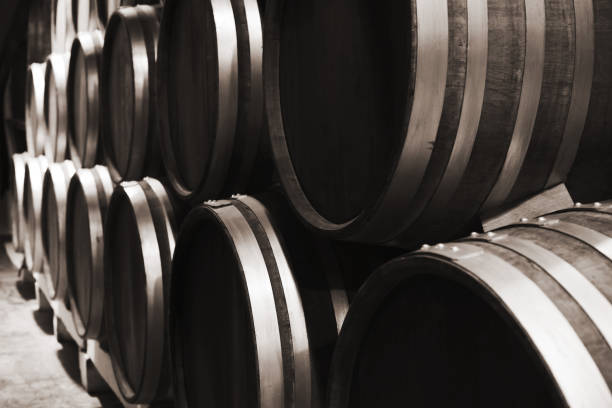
x,y
597,204
490,234
440,246
455,249
425,247
524,219
578,205
542,219
474,234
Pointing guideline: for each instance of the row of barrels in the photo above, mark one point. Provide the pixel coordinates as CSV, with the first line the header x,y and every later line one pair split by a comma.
x,y
406,110
98,102
244,307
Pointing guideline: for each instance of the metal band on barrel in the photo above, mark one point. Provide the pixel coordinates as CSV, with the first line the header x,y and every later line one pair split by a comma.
x,y
576,374
587,295
535,37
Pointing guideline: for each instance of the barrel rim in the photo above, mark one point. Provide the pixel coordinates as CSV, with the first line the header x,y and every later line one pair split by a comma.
x,y
223,37
56,68
143,123
89,45
136,198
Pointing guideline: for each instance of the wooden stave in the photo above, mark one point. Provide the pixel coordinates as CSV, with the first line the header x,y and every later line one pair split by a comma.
x,y
466,256
214,179
32,201
62,26
55,187
96,185
143,156
588,179
154,216
39,31
34,114
56,72
249,214
509,186
18,227
90,45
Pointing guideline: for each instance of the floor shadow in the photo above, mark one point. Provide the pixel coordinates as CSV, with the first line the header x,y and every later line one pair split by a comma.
x,y
68,356
109,400
44,320
25,289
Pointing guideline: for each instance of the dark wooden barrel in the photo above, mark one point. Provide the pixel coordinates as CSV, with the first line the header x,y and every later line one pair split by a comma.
x,y
56,107
84,109
417,115
32,202
36,132
210,95
62,26
55,193
131,144
39,30
89,193
516,317
139,242
18,228
275,295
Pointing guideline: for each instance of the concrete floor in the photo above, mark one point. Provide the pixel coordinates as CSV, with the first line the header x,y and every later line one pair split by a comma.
x,y
35,370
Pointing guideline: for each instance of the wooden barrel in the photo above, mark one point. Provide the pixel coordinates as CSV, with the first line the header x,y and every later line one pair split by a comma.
x,y
210,95
416,116
55,192
139,242
131,144
62,26
83,99
18,228
32,203
275,296
36,132
516,317
89,193
39,30
56,107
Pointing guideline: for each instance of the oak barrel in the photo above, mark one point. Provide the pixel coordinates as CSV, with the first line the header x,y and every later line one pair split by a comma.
x,y
89,194
210,95
515,317
36,132
84,111
139,242
415,116
131,143
32,202
18,228
256,304
62,26
54,195
56,107
39,30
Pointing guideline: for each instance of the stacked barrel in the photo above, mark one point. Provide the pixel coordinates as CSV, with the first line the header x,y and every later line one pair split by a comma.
x,y
212,189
